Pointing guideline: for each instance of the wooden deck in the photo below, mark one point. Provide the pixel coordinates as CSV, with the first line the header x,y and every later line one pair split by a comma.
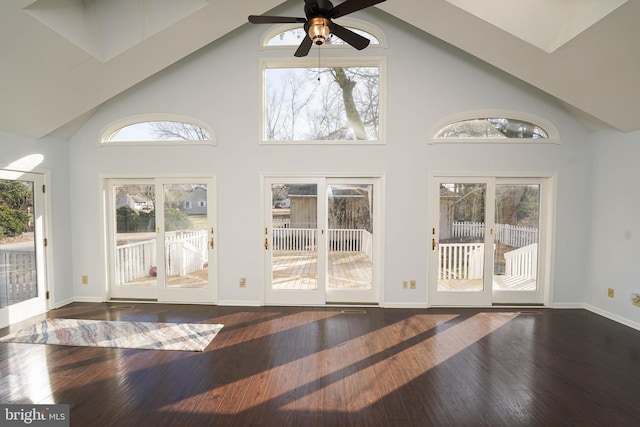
x,y
299,270
197,279
500,283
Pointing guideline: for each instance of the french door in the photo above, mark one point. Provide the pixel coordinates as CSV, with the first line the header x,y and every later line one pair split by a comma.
x,y
322,240
162,239
487,241
23,291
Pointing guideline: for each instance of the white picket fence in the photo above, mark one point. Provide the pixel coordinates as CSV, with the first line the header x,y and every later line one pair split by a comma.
x,y
17,275
465,261
338,240
510,235
185,253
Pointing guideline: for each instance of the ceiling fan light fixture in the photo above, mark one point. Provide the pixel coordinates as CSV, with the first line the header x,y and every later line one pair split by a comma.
x,y
318,30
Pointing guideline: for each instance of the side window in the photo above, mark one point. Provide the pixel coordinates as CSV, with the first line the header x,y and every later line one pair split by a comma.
x,y
160,130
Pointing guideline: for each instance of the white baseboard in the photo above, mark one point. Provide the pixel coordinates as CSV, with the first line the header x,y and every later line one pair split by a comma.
x,y
87,299
403,305
240,303
569,305
614,317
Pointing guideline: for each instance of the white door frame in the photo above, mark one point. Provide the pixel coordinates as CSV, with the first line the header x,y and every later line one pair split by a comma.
x,y
488,297
32,307
480,298
160,292
322,295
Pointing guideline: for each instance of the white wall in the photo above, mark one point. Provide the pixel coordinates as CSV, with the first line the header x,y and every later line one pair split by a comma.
x,y
54,159
615,228
427,81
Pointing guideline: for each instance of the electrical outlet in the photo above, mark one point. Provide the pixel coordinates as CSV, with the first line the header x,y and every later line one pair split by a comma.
x,y
610,292
412,284
243,282
85,280
635,299
405,284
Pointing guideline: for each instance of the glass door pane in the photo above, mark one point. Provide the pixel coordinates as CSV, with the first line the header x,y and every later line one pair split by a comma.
x,y
461,242
487,241
319,240
162,239
22,272
350,236
134,215
186,235
18,273
517,238
294,237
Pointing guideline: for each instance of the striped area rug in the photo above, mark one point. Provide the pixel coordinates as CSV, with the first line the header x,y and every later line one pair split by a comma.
x,y
100,333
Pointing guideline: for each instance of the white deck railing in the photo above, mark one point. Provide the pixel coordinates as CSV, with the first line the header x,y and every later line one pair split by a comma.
x,y
522,262
466,261
134,261
17,275
510,235
338,240
185,253
461,261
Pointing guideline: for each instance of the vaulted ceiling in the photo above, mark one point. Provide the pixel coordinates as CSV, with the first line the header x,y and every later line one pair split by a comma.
x,y
61,59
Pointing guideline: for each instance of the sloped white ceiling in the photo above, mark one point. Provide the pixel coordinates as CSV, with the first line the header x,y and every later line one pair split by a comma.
x,y
594,72
62,58
106,28
546,24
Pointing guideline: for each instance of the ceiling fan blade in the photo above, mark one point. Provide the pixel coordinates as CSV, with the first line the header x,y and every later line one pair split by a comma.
x,y
304,48
351,6
262,19
354,39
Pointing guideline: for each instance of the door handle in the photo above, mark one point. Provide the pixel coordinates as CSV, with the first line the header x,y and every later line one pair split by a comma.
x,y
212,244
434,244
266,243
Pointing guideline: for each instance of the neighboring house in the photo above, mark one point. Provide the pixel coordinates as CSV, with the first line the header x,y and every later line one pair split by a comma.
x,y
137,203
303,206
349,207
282,204
195,202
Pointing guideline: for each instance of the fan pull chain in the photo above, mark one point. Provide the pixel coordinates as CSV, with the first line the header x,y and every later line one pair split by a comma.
x,y
319,49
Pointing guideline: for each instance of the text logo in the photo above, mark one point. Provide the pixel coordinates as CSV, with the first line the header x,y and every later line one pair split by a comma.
x,y
35,415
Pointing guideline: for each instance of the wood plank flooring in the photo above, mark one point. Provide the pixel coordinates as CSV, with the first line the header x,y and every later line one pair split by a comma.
x,y
288,366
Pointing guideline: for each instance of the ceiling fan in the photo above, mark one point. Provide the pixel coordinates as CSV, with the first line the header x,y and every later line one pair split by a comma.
x,y
318,24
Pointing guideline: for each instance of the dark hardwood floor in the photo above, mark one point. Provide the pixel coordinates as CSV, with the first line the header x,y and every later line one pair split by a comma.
x,y
287,366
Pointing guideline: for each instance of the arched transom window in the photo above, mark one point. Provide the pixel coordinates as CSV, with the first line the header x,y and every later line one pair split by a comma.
x,y
496,127
157,129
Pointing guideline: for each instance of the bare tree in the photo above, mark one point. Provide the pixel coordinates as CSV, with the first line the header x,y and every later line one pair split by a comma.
x,y
168,130
343,106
